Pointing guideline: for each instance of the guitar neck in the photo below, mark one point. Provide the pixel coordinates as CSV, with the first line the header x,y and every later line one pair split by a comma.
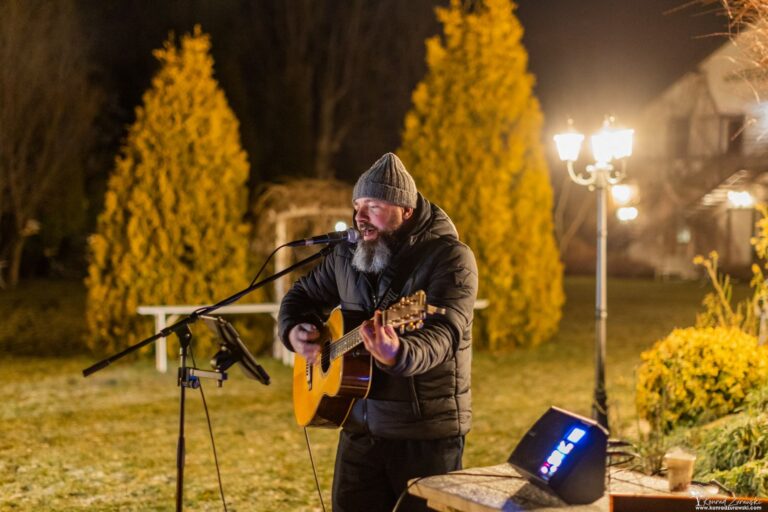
x,y
346,343
408,314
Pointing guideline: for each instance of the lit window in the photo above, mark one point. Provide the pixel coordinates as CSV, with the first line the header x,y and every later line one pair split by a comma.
x,y
622,194
740,199
626,213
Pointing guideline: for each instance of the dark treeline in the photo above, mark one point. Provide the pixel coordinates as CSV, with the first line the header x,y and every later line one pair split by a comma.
x,y
320,87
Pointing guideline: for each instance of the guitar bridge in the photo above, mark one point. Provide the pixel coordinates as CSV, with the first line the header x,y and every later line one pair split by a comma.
x,y
308,375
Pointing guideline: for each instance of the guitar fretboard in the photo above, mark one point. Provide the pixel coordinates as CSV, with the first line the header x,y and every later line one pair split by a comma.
x,y
346,343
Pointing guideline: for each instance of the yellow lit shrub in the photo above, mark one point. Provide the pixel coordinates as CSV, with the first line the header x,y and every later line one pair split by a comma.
x,y
472,143
698,374
172,229
719,310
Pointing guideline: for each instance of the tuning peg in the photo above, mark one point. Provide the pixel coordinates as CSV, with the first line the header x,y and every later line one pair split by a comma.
x,y
419,324
402,329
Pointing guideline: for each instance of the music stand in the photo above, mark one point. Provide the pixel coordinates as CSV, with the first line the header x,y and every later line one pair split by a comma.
x,y
233,350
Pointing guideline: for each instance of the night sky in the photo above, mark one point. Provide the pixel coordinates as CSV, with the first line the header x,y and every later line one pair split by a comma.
x,y
596,57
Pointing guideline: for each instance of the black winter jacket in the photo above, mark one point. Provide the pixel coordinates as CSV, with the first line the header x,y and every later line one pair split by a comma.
x,y
426,394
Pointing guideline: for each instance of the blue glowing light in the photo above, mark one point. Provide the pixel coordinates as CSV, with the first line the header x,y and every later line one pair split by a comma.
x,y
560,453
556,458
576,434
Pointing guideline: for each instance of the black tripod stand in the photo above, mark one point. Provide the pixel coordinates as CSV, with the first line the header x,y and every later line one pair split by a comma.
x,y
189,377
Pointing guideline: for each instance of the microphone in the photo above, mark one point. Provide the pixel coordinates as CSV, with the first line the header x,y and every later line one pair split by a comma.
x,y
351,235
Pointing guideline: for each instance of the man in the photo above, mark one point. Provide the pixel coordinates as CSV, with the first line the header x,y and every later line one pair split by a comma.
x,y
418,409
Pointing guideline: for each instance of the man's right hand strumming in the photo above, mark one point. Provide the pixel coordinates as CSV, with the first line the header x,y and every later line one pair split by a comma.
x,y
303,338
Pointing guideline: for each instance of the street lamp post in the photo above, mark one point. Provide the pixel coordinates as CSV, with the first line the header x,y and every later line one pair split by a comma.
x,y
610,148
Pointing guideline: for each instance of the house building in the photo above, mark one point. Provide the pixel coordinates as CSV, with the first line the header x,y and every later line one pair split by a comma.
x,y
701,161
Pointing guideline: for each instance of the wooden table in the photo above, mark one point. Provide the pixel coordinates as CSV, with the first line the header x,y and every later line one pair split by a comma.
x,y
495,488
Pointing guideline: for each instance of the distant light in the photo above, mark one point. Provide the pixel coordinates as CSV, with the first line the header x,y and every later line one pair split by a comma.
x,y
741,199
568,145
622,194
622,143
610,144
340,226
683,235
626,213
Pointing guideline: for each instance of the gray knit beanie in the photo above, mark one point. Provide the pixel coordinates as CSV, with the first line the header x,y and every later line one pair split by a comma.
x,y
388,180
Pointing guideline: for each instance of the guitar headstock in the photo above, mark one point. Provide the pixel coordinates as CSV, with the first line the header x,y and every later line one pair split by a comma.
x,y
409,312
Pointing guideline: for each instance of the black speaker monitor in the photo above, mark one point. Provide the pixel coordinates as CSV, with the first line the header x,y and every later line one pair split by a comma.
x,y
565,453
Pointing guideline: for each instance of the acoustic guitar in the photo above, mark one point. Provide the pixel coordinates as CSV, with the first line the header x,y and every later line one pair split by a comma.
x,y
324,392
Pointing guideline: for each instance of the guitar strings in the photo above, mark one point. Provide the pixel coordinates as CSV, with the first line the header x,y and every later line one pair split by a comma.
x,y
330,348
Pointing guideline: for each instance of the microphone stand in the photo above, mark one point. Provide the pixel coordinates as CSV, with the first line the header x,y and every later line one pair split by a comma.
x,y
188,377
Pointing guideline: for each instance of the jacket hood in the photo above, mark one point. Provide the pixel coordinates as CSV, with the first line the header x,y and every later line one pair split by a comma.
x,y
430,221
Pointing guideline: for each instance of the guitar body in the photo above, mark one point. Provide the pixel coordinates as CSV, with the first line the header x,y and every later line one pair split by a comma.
x,y
323,393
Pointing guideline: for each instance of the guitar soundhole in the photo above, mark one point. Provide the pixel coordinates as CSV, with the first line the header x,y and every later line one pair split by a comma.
x,y
325,357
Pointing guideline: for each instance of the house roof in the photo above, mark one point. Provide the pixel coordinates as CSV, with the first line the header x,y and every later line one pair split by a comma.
x,y
734,81
734,78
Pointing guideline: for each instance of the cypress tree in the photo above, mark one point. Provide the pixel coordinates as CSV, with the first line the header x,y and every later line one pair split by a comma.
x,y
472,142
172,229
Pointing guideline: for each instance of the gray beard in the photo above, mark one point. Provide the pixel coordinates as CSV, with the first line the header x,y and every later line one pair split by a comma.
x,y
372,257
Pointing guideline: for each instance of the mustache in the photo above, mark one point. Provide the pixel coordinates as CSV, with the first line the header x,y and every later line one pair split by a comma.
x,y
365,225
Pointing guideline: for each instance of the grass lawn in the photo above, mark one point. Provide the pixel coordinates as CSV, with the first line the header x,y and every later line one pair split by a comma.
x,y
108,442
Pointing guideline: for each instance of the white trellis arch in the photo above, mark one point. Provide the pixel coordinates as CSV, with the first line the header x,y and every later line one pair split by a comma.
x,y
280,220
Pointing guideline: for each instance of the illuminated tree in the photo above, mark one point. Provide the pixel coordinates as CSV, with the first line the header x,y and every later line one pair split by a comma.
x,y
172,230
472,143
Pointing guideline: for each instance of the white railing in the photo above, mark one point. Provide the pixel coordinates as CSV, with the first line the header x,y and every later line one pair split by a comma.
x,y
165,315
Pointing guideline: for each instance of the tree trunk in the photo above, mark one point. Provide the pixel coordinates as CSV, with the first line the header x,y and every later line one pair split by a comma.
x,y
14,263
324,151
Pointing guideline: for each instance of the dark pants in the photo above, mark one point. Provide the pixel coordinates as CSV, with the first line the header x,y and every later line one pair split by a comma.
x,y
371,473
